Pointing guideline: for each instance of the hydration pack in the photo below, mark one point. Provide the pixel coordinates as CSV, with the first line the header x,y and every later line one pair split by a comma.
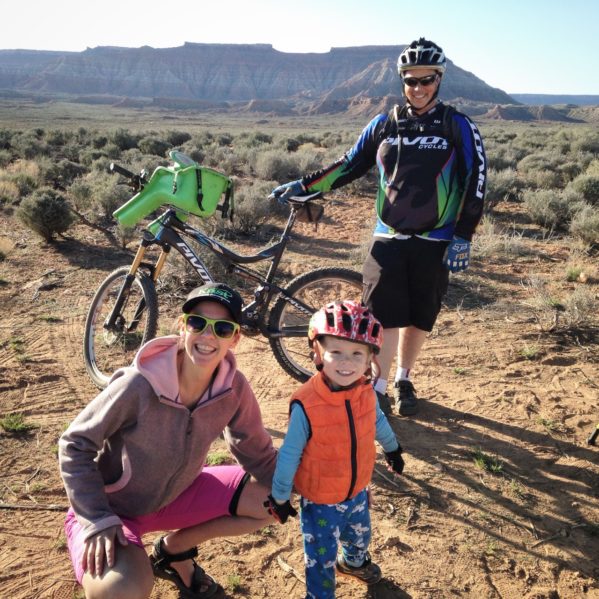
x,y
399,122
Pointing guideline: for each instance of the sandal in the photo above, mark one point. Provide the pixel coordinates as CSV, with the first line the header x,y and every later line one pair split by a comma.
x,y
202,586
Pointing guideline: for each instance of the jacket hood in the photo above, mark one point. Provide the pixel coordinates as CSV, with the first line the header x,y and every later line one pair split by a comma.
x,y
156,361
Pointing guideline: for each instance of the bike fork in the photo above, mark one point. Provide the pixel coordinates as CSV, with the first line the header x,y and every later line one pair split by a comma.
x,y
114,319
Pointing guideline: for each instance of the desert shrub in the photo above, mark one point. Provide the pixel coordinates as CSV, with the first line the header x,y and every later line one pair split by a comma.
x,y
101,164
225,160
585,225
123,139
542,169
46,212
252,208
91,155
593,167
9,192
5,158
289,144
308,138
177,138
58,138
113,151
491,241
80,194
274,166
581,307
500,157
587,142
202,139
310,158
107,194
29,144
125,235
588,186
254,139
61,174
98,194
154,145
99,141
25,174
224,139
196,154
550,208
333,139
5,139
502,185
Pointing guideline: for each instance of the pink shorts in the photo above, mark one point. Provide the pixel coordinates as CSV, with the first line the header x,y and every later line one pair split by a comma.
x,y
214,493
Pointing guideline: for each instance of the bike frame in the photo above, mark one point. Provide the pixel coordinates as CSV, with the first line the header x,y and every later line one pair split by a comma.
x,y
171,234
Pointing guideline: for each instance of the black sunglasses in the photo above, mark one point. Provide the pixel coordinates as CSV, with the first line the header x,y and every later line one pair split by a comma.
x,y
194,323
424,81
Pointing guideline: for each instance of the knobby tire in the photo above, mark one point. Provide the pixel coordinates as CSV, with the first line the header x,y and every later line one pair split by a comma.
x,y
106,351
315,289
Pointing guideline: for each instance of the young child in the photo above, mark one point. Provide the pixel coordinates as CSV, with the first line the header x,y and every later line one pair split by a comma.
x,y
329,453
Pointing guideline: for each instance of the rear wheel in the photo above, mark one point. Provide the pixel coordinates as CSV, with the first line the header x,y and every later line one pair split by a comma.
x,y
107,349
291,314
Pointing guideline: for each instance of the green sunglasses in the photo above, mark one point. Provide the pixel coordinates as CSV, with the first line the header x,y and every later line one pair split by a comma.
x,y
195,323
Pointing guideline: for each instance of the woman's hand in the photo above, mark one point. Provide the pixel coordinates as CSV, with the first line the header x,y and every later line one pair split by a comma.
x,y
100,545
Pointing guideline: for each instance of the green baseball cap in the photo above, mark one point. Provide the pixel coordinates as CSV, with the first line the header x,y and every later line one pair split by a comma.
x,y
219,293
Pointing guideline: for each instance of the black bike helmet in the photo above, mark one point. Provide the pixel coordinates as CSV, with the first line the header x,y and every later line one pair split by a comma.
x,y
421,53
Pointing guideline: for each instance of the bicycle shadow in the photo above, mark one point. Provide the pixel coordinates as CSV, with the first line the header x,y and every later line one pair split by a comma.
x,y
100,257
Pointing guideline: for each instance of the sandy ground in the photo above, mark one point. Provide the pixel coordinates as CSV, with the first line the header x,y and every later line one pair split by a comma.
x,y
448,528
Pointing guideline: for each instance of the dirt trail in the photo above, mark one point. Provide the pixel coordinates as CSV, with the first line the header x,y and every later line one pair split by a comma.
x,y
446,529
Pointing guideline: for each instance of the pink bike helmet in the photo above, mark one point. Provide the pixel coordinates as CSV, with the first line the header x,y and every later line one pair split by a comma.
x,y
348,320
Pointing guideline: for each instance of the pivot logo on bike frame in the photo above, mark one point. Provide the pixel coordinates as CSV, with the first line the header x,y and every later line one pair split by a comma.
x,y
194,261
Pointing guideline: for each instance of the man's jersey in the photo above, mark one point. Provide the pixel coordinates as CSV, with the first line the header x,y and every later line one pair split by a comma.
x,y
431,174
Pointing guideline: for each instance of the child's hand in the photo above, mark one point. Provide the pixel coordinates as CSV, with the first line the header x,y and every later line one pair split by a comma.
x,y
100,546
280,511
394,460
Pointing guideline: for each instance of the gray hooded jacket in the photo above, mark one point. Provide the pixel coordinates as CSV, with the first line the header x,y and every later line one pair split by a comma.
x,y
135,448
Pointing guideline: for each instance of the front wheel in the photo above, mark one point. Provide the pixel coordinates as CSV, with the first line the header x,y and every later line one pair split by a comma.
x,y
109,347
291,314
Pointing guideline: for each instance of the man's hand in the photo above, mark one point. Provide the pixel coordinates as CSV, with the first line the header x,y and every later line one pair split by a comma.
x,y
395,461
280,511
283,192
102,545
457,255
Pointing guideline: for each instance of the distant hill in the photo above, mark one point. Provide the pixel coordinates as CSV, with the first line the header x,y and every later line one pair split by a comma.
x,y
538,99
234,73
530,113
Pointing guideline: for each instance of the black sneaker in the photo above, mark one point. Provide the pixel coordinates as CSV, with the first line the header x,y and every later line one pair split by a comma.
x,y
384,402
368,573
405,398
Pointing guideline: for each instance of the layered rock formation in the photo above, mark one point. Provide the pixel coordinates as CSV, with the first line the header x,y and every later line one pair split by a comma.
x,y
217,73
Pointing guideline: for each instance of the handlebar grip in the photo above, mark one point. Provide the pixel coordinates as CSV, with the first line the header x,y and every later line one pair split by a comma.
x,y
115,168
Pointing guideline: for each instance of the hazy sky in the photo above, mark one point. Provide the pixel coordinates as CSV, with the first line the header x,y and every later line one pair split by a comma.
x,y
519,46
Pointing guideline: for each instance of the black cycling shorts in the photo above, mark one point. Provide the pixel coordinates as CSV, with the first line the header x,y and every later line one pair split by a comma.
x,y
405,281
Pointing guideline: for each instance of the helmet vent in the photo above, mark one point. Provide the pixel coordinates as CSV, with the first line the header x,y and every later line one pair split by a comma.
x,y
363,326
346,321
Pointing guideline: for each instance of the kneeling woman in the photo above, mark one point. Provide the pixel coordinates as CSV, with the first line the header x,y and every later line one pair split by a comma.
x,y
132,461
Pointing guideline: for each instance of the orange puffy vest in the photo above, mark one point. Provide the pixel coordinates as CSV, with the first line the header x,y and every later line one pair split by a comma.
x,y
338,460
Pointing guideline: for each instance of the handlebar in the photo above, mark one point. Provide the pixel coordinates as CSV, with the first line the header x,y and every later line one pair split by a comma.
x,y
136,181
